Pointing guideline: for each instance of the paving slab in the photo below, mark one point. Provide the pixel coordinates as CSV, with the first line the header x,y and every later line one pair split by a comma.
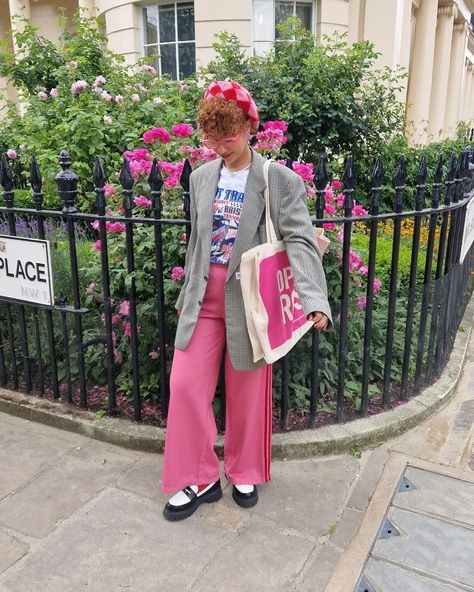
x,y
62,489
308,495
318,569
11,549
119,542
388,577
262,558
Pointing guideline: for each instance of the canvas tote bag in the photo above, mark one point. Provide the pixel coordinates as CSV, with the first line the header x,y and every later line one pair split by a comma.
x,y
273,312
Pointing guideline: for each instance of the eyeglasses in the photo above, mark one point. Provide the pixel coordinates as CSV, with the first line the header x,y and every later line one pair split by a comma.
x,y
228,142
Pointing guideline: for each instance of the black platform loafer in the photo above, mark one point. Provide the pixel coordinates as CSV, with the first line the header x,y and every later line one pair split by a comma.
x,y
245,500
181,511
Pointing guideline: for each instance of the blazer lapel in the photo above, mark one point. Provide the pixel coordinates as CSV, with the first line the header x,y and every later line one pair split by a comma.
x,y
205,195
252,210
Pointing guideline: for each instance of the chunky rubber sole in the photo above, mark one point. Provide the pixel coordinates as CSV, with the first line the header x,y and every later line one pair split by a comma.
x,y
245,500
175,513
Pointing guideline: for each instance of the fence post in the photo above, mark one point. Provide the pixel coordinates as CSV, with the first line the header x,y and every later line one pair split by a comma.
x,y
349,180
377,178
66,181
99,182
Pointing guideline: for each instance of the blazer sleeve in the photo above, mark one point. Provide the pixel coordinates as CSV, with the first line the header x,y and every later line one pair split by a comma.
x,y
191,244
296,230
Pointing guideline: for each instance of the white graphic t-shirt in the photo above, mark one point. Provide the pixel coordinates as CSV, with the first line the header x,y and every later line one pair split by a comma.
x,y
228,204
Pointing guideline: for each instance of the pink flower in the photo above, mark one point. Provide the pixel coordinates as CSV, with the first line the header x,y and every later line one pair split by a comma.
x,y
97,245
159,134
114,227
127,326
54,92
147,68
142,201
158,101
121,210
358,210
183,87
78,86
11,153
270,139
135,98
364,270
99,80
118,356
104,95
137,154
154,355
73,64
329,226
95,225
171,182
340,200
329,209
90,288
183,237
182,130
124,309
107,119
336,184
177,273
118,99
280,125
354,260
109,190
305,171
22,146
361,302
42,96
115,319
329,195
377,285
310,192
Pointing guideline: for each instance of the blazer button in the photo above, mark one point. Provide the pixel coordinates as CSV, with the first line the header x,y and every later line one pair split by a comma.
x,y
205,278
199,302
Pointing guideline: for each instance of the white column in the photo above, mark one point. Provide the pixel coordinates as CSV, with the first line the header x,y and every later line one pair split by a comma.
x,y
466,107
89,6
442,55
470,109
421,72
453,101
18,7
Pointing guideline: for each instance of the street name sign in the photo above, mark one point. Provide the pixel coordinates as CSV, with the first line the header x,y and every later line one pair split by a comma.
x,y
25,270
468,235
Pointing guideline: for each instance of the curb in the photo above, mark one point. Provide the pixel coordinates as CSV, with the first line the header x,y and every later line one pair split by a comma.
x,y
334,439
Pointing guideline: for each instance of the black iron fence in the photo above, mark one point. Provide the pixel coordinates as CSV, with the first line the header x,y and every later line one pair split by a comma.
x,y
398,345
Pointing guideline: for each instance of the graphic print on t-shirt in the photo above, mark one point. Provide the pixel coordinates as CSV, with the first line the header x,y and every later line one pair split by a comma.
x,y
227,210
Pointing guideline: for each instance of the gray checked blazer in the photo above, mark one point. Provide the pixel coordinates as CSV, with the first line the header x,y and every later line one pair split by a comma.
x,y
292,224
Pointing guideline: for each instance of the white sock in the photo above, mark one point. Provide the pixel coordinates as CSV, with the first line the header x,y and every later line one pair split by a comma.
x,y
245,488
180,498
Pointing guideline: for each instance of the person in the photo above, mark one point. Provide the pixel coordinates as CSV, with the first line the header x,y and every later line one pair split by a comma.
x,y
227,219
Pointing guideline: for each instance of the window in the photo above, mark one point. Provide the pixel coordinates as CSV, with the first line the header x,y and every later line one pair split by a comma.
x,y
169,32
267,14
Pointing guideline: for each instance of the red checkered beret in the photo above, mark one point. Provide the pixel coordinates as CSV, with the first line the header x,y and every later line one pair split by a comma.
x,y
235,92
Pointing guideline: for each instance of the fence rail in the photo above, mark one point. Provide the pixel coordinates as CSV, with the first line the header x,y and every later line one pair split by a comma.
x,y
40,349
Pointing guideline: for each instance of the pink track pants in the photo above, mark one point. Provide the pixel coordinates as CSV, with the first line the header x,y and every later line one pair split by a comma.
x,y
189,457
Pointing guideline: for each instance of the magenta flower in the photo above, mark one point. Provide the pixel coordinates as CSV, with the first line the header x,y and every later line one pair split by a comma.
x,y
124,309
137,154
305,171
364,270
279,125
358,210
114,227
159,134
183,237
329,226
329,209
142,201
97,245
336,184
109,190
361,302
377,285
115,319
182,130
177,273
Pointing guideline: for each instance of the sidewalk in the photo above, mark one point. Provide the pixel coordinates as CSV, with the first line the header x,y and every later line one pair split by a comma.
x,y
77,514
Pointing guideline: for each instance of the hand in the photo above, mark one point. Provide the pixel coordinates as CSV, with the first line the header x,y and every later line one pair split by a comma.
x,y
320,320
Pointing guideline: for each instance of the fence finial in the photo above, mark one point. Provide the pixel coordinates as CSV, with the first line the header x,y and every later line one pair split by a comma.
x,y
321,175
377,173
126,178
6,177
349,176
422,171
438,174
184,179
98,173
66,181
36,183
155,180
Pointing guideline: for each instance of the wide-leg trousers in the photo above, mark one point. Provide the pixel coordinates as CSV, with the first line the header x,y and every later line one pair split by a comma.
x,y
189,457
